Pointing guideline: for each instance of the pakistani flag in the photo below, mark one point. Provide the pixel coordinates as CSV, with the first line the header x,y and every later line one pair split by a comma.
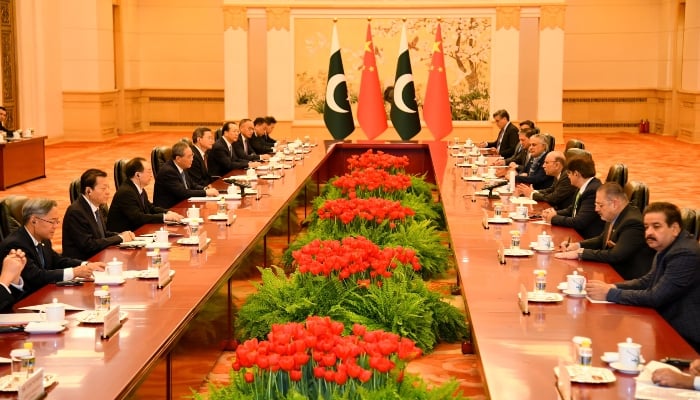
x,y
404,108
336,111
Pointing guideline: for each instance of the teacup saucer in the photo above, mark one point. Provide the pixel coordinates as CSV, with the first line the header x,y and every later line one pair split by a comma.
x,y
562,286
574,294
625,370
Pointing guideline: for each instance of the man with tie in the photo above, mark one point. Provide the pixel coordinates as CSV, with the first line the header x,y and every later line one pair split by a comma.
x,y
507,138
532,172
84,230
672,286
271,122
202,140
257,139
172,183
222,157
561,194
44,265
621,244
581,214
130,207
522,153
243,147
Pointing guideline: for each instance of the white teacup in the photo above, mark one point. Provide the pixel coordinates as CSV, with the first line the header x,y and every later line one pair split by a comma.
x,y
629,354
232,189
491,171
55,312
114,267
575,283
27,133
193,229
521,211
544,241
251,173
161,236
193,213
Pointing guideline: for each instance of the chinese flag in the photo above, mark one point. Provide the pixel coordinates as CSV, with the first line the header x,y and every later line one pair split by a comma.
x,y
370,103
436,106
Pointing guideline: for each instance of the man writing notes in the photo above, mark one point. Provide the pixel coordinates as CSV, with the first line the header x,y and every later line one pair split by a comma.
x,y
173,185
44,265
621,244
672,287
561,193
507,139
130,207
84,230
581,214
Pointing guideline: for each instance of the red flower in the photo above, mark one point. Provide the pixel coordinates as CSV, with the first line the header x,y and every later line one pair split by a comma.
x,y
249,377
295,375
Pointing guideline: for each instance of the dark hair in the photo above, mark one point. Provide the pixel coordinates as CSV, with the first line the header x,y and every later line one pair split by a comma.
x,y
612,190
270,120
3,108
528,132
89,178
179,149
583,165
243,121
259,121
133,166
502,114
225,128
199,133
670,210
527,122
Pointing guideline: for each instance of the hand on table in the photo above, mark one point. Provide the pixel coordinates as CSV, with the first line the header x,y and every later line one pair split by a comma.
x,y
548,214
598,290
85,271
670,378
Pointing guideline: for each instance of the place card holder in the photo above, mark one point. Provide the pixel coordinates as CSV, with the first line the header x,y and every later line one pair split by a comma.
x,y
230,217
203,243
164,275
485,220
501,254
33,387
111,323
564,381
522,302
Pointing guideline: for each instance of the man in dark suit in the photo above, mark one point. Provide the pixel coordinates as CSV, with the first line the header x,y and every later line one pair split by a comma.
x,y
561,193
257,139
130,207
271,122
172,183
672,287
507,138
243,147
84,230
533,171
581,214
202,141
621,244
3,122
522,153
11,279
44,265
222,157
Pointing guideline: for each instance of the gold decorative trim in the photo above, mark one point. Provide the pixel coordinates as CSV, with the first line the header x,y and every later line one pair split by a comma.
x,y
508,17
552,17
277,18
236,18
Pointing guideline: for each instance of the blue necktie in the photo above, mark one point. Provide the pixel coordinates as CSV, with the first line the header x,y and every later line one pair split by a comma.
x,y
40,253
184,179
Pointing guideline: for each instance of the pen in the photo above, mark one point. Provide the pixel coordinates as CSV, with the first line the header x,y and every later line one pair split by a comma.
x,y
568,242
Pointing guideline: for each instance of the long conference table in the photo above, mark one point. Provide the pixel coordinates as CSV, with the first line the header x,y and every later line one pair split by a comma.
x,y
151,355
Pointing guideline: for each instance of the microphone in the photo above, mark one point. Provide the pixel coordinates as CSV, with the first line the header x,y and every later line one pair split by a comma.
x,y
494,185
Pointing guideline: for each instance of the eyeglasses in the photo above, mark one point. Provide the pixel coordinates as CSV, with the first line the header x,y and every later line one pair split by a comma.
x,y
54,221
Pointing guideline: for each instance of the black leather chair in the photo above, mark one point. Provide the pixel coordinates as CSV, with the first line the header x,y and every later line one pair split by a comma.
x,y
119,173
74,190
575,144
697,224
689,217
617,173
574,152
549,139
159,156
639,195
11,214
217,134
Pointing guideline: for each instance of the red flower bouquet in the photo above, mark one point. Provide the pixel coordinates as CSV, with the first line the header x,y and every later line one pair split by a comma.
x,y
378,160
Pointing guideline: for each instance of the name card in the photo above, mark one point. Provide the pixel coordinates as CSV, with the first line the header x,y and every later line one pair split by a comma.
x,y
231,217
564,381
485,220
163,275
111,322
33,387
524,306
203,242
501,254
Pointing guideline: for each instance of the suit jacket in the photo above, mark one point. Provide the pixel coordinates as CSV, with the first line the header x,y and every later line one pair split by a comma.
x,y
8,299
587,222
535,173
238,148
81,235
260,145
198,172
520,156
630,256
222,161
560,195
509,141
269,140
35,277
671,287
127,213
169,188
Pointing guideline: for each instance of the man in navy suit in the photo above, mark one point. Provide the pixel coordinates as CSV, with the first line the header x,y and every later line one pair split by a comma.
x,y
44,264
222,157
84,230
202,141
507,139
257,139
243,147
173,185
533,171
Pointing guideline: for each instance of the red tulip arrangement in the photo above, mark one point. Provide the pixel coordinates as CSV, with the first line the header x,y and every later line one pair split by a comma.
x,y
371,210
371,182
315,360
352,257
378,160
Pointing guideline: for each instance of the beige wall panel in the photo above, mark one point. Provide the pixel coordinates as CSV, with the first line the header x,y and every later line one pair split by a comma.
x,y
89,116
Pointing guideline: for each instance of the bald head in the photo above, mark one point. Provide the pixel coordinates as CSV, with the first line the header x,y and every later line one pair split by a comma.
x,y
554,163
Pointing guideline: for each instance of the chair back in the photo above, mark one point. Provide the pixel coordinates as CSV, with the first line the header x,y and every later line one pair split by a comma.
x,y
119,173
640,195
74,190
11,214
549,139
575,144
217,134
576,152
689,218
617,173
159,156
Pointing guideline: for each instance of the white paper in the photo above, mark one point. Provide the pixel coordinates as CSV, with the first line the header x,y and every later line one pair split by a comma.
x,y
598,301
647,390
42,307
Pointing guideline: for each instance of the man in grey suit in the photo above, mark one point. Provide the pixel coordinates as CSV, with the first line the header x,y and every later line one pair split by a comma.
x,y
672,287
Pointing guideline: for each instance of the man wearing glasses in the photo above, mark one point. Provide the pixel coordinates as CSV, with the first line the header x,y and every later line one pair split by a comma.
x,y
44,265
